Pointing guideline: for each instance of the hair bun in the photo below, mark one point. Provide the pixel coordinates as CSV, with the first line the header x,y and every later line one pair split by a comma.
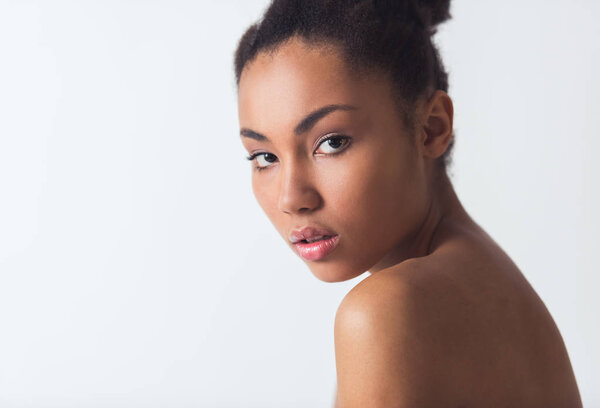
x,y
426,13
433,12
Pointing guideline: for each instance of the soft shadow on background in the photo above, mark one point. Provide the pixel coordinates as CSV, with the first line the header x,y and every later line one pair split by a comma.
x,y
137,270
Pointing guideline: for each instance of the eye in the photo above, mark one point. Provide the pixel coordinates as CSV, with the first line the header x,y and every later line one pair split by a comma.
x,y
263,160
335,144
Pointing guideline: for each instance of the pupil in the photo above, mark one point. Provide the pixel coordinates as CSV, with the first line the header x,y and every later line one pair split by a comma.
x,y
335,142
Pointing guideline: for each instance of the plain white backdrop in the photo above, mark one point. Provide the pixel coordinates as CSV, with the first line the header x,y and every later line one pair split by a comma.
x,y
136,268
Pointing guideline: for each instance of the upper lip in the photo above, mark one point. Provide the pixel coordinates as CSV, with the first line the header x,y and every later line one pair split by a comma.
x,y
308,233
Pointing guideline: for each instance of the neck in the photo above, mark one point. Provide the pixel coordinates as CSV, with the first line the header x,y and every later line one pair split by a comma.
x,y
444,213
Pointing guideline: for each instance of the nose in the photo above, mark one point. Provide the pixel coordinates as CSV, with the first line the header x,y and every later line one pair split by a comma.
x,y
297,192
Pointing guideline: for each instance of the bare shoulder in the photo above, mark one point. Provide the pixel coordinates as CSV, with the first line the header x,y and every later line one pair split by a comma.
x,y
391,338
442,330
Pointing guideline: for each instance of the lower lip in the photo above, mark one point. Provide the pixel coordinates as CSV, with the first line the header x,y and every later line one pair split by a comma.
x,y
317,250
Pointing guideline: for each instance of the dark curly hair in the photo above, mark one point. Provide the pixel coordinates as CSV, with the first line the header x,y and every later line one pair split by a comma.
x,y
394,36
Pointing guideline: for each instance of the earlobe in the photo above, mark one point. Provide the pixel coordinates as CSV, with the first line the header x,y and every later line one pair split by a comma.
x,y
437,124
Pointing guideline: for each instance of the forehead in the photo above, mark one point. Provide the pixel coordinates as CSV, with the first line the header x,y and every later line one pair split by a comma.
x,y
281,86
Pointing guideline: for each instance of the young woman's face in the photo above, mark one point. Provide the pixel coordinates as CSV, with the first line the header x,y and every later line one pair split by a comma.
x,y
352,169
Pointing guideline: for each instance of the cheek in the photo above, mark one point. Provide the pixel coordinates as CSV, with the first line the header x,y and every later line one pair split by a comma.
x,y
266,195
378,200
371,181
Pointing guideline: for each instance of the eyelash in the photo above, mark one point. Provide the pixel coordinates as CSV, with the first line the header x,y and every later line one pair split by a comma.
x,y
343,149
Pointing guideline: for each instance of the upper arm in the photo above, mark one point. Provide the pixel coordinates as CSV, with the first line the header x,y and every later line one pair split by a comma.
x,y
385,348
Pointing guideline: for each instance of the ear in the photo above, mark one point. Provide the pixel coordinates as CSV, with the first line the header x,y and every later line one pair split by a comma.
x,y
437,121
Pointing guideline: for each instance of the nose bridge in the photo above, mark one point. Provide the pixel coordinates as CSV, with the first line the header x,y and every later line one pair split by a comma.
x,y
297,191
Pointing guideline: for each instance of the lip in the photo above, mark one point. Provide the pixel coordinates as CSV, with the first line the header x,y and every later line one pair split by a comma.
x,y
315,250
308,233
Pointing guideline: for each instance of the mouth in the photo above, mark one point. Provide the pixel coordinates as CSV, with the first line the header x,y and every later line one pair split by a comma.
x,y
317,248
315,239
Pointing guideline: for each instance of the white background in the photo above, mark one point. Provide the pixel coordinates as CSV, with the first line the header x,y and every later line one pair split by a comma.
x,y
137,270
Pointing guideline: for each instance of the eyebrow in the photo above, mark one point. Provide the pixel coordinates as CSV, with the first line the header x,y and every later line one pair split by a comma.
x,y
305,124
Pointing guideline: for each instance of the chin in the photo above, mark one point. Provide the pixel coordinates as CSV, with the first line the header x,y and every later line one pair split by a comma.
x,y
330,274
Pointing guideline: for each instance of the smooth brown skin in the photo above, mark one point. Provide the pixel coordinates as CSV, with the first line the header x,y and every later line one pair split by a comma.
x,y
445,319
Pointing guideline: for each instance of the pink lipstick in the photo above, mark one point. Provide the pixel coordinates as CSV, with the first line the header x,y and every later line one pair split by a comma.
x,y
313,243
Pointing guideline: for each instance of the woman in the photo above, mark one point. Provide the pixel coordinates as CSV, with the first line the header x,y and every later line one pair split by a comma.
x,y
343,108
